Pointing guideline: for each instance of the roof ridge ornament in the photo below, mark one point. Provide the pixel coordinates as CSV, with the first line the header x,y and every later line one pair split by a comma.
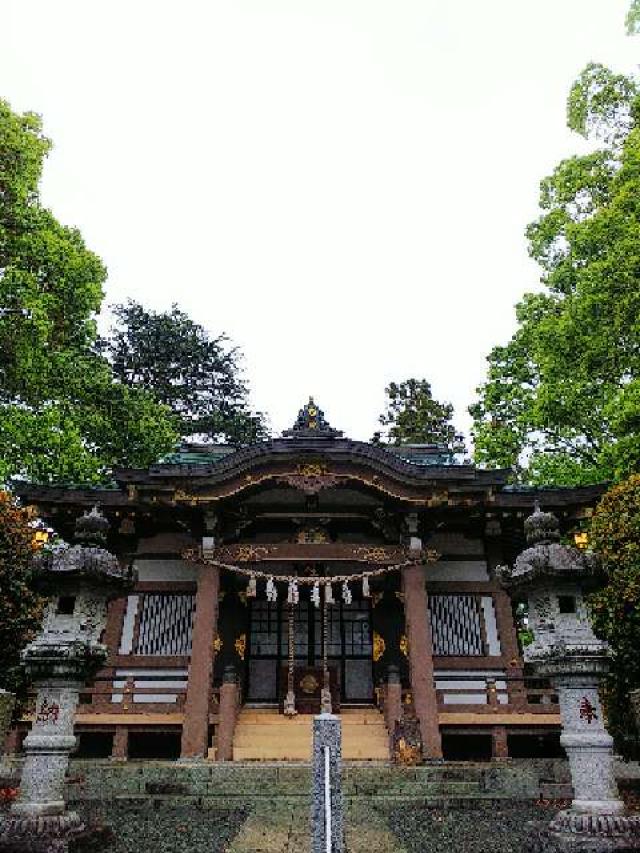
x,y
311,423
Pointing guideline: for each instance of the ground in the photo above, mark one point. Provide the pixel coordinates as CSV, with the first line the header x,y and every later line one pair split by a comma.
x,y
281,827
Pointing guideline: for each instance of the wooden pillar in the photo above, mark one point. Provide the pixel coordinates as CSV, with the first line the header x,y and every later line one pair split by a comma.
x,y
510,649
499,745
113,630
393,703
506,626
228,715
421,659
195,730
120,748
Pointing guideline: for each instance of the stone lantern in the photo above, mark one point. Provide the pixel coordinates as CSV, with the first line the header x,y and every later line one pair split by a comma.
x,y
79,582
554,579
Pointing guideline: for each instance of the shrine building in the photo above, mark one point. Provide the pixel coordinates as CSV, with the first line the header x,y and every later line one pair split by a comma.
x,y
310,572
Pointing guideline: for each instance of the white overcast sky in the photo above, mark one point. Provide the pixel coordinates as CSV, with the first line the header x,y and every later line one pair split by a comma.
x,y
341,186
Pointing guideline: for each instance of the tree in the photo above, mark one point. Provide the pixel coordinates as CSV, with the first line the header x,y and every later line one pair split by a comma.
x,y
21,611
413,416
61,412
561,403
615,610
196,376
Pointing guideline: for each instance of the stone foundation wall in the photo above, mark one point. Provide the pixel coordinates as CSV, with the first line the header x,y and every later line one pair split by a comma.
x,y
228,785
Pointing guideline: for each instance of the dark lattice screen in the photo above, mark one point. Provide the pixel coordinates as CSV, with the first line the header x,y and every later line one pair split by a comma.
x,y
456,625
165,625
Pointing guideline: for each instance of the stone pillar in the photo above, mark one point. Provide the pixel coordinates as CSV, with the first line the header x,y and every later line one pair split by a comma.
x,y
228,715
421,659
327,736
588,745
48,747
195,730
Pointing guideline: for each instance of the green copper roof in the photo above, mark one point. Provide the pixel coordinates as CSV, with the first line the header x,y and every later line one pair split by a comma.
x,y
197,454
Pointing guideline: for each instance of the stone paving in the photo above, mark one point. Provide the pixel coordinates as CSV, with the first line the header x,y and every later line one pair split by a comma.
x,y
284,828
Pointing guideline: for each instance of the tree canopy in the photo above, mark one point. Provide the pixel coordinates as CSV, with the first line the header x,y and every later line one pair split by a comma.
x,y
561,403
196,376
63,416
615,610
71,406
413,416
21,611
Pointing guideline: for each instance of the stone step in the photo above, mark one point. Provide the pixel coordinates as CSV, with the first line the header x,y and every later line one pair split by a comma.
x,y
95,779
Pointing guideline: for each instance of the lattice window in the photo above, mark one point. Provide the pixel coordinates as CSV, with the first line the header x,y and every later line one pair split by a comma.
x,y
166,624
456,625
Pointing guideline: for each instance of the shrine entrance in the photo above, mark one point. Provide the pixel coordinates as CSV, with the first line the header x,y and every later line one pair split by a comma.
x,y
349,648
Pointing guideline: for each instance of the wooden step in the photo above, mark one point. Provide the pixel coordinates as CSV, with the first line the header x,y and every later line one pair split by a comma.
x,y
266,735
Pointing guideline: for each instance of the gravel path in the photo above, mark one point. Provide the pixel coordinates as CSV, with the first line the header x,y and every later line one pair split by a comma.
x,y
183,829
498,827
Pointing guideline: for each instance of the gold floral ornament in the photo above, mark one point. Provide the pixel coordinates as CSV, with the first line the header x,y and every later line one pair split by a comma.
x,y
379,646
404,645
217,643
241,645
312,536
309,684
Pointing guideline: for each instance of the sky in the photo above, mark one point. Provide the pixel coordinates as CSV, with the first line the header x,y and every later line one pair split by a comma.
x,y
341,186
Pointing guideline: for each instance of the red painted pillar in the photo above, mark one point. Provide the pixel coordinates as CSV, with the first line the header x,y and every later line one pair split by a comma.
x,y
195,729
421,659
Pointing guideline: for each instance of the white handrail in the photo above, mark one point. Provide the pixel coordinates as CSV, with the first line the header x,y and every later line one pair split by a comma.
x,y
327,798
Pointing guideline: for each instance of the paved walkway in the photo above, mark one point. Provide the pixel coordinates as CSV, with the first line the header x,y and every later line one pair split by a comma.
x,y
280,828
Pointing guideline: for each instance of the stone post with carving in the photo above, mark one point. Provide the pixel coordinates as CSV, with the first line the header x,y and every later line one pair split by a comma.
x,y
79,580
553,579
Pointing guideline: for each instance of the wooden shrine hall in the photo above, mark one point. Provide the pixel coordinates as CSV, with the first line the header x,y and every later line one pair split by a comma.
x,y
306,572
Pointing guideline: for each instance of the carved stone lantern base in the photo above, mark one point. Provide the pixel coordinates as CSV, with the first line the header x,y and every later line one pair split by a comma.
x,y
43,834
571,832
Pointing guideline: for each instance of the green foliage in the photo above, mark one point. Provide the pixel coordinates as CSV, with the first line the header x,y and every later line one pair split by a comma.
x,y
633,18
615,610
62,416
414,417
21,610
196,376
561,402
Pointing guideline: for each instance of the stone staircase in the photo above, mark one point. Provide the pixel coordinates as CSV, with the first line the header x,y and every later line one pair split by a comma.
x,y
266,735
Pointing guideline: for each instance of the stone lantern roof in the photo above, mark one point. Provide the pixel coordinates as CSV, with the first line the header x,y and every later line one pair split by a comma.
x,y
547,557
87,558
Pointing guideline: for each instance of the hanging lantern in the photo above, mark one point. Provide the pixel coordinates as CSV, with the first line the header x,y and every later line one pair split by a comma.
x,y
272,591
315,594
328,594
252,587
366,592
346,593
